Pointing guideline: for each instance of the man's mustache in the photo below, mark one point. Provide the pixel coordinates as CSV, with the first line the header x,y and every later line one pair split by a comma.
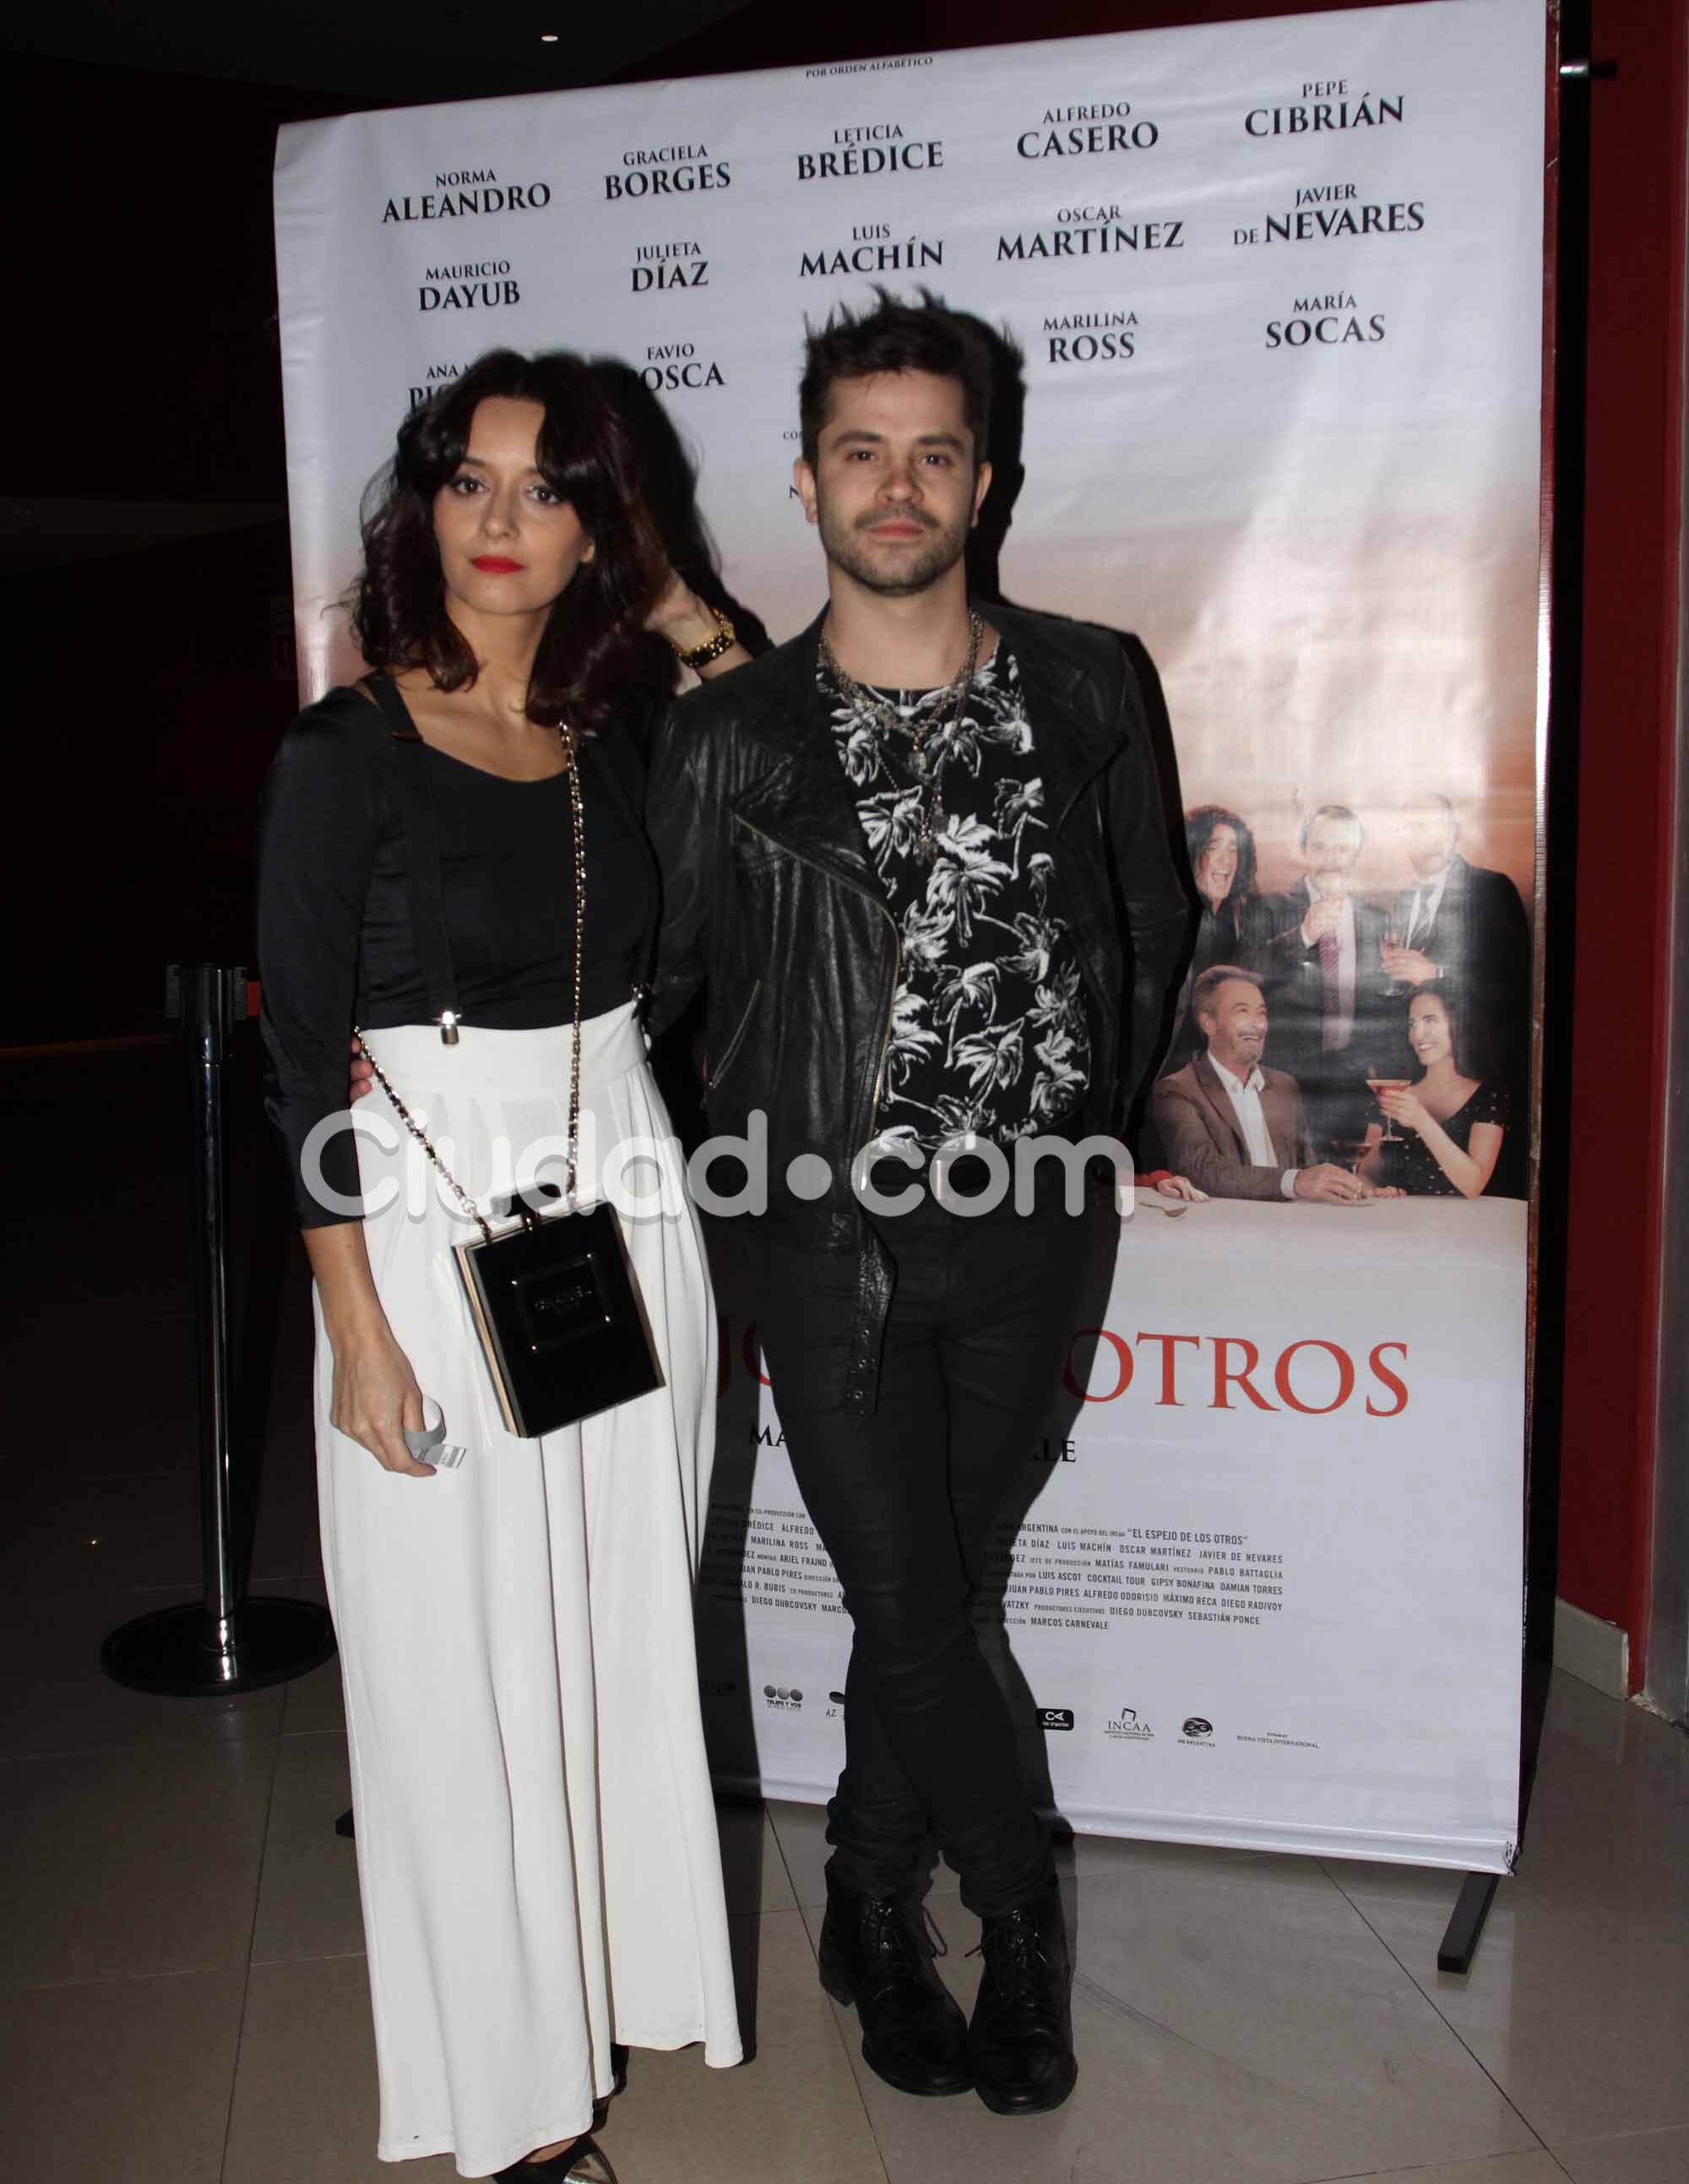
x,y
898,515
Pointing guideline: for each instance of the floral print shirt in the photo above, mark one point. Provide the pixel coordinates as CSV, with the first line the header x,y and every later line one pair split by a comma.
x,y
990,1034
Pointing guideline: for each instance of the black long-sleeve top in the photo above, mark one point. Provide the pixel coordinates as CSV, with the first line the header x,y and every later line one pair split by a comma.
x,y
335,946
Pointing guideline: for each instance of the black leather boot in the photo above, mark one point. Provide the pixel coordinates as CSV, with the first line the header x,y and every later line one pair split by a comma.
x,y
873,1953
1022,2037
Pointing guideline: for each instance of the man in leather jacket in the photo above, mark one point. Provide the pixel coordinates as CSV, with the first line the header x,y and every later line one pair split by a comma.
x,y
918,856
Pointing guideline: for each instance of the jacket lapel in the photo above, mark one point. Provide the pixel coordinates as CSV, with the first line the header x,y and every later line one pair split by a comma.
x,y
802,803
1074,739
1219,1103
1450,908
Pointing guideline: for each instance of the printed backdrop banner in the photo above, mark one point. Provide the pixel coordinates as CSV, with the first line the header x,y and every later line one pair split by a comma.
x,y
1277,289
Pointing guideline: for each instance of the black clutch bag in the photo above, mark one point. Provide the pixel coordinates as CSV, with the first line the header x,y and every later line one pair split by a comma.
x,y
559,1318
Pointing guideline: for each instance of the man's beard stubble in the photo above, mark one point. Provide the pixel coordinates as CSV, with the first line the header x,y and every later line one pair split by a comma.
x,y
941,553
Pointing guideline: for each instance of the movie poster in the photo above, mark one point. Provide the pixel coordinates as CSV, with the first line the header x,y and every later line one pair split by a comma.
x,y
1277,291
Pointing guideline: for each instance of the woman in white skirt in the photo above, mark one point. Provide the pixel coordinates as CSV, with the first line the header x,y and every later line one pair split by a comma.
x,y
536,1834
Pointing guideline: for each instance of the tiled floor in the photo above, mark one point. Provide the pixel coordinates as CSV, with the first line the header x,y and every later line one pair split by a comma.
x,y
183,1994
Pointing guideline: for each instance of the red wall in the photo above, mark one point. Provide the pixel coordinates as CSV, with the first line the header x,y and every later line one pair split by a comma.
x,y
1637,242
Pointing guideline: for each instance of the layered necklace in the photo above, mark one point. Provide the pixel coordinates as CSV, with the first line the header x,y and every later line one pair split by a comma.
x,y
927,759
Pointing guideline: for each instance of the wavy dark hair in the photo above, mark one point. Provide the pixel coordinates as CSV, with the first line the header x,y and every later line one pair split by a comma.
x,y
1468,1043
1199,832
595,657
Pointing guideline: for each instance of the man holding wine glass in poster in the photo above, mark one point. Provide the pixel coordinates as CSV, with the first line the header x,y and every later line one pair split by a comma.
x,y
1325,984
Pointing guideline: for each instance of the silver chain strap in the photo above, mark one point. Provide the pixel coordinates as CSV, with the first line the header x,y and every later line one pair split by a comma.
x,y
571,747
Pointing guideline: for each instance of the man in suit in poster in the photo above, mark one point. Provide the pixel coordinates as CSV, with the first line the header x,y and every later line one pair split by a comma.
x,y
1324,980
1236,1128
1460,921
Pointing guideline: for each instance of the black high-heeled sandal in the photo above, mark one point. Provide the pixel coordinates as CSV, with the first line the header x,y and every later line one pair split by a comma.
x,y
582,2162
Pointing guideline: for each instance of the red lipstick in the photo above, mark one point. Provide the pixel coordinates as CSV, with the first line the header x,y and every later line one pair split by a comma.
x,y
495,565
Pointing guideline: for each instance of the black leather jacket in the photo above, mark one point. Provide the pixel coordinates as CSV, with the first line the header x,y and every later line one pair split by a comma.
x,y
769,895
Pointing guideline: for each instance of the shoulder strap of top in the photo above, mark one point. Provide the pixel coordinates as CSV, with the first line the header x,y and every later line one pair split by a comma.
x,y
415,799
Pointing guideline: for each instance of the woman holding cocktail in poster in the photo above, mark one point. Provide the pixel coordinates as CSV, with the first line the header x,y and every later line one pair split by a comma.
x,y
1443,1127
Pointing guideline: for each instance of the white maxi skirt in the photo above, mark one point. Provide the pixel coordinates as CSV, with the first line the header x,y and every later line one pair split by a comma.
x,y
537,1845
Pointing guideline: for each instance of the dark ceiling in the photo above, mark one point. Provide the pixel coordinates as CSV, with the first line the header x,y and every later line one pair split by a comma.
x,y
386,50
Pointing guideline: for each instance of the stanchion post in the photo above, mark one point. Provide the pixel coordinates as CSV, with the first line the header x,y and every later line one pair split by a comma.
x,y
225,1642
206,1017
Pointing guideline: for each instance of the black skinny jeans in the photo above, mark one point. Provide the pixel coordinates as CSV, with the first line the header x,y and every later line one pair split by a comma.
x,y
904,1501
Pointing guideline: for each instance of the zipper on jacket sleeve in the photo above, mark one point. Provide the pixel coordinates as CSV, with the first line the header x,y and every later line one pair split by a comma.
x,y
890,1012
733,1044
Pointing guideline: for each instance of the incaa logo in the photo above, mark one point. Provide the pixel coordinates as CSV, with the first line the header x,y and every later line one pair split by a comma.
x,y
677,364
